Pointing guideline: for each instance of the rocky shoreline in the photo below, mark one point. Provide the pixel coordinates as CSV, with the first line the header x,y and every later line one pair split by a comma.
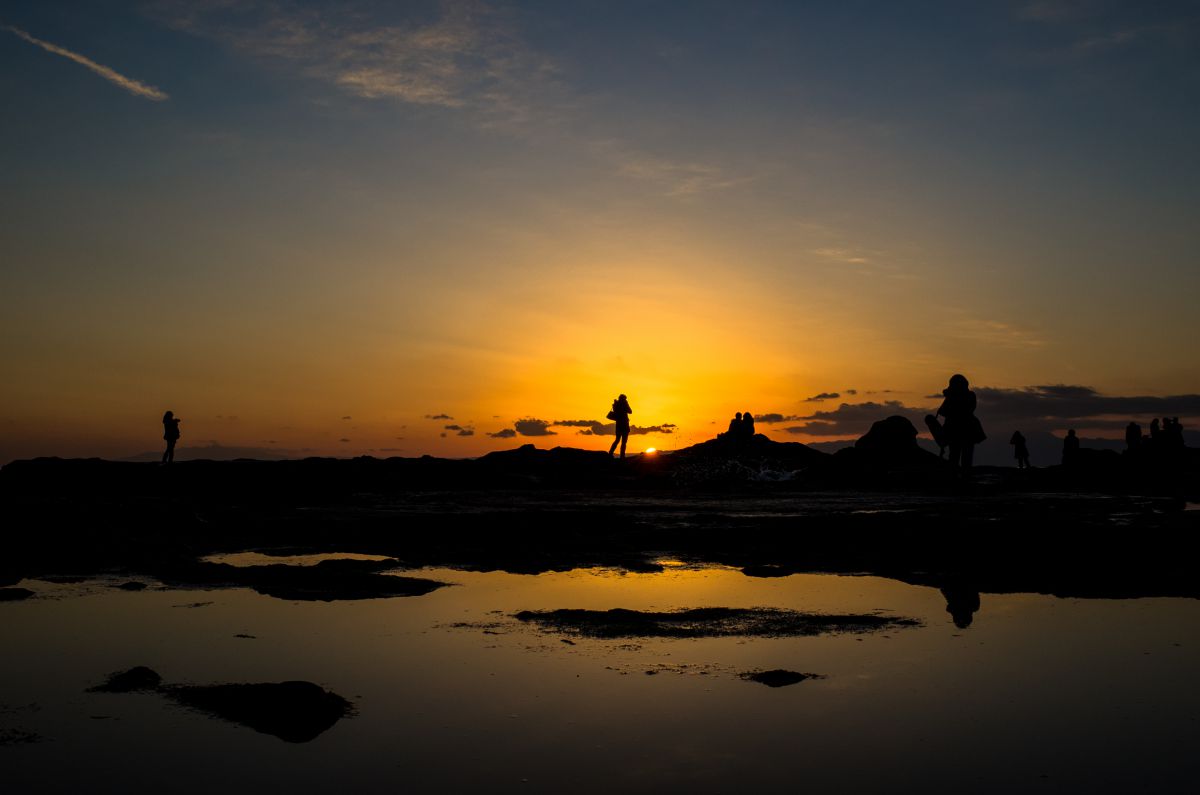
x,y
768,508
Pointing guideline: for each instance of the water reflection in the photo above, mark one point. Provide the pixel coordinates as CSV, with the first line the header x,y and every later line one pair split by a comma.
x,y
445,704
962,602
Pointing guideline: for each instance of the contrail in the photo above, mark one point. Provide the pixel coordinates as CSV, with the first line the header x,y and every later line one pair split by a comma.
x,y
127,83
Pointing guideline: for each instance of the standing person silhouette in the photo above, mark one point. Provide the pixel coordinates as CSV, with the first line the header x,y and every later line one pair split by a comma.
x,y
963,429
171,434
1070,449
620,413
1020,449
1133,436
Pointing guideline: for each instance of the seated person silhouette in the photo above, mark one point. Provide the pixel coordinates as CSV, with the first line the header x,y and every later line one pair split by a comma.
x,y
735,426
747,425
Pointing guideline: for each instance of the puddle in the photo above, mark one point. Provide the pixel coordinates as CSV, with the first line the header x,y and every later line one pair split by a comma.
x,y
1092,695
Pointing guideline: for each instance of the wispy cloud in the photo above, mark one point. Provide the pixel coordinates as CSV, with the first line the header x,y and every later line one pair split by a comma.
x,y
677,178
466,57
135,87
597,428
848,255
865,262
1089,28
994,332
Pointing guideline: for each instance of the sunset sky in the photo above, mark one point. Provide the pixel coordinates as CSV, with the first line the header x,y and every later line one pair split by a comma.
x,y
396,228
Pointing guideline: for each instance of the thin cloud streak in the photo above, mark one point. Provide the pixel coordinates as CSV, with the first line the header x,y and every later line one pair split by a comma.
x,y
469,59
135,87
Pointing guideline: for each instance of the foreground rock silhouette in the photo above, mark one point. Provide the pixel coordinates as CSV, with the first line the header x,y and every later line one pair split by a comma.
x,y
294,711
884,506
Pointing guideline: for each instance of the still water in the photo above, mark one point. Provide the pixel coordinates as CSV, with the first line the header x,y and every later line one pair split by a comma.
x,y
1039,694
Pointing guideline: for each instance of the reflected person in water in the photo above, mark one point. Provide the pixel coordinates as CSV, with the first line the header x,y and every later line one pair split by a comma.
x,y
962,603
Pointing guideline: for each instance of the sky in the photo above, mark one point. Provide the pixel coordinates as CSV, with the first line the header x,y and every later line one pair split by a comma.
x,y
399,228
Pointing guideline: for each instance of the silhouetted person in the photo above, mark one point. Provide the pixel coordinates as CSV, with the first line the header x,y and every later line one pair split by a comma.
x,y
1070,449
620,413
1133,436
962,430
1155,432
1175,433
735,426
962,603
171,435
747,424
1020,450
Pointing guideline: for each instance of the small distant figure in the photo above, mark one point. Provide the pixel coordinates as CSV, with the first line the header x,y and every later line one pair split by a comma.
x,y
1133,436
1020,450
1155,432
620,414
735,425
171,435
747,424
1070,449
962,430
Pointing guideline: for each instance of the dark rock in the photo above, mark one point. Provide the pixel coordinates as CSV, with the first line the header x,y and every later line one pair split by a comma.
x,y
135,679
132,585
14,594
295,712
893,436
776,678
888,454
738,460
707,622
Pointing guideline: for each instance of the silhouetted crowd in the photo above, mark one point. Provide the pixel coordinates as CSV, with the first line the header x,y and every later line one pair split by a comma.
x,y
1164,435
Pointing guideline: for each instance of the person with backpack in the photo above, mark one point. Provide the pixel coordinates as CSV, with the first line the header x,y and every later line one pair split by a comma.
x,y
620,414
962,429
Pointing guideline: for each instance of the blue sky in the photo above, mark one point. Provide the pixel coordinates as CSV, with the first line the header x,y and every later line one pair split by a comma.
x,y
508,206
